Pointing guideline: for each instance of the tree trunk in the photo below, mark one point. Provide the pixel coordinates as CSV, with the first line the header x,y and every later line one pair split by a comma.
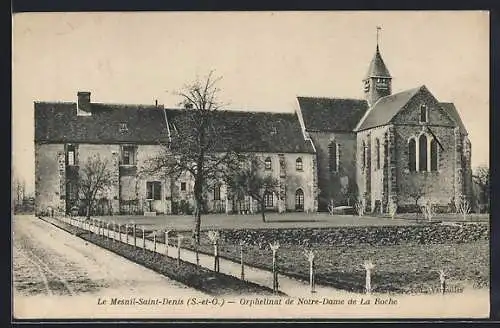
x,y
89,205
198,197
262,210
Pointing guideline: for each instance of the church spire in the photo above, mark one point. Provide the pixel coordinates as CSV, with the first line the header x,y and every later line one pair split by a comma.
x,y
377,81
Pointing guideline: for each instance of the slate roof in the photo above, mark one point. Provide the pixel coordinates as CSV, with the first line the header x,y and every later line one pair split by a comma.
x,y
250,131
58,122
331,114
377,67
385,108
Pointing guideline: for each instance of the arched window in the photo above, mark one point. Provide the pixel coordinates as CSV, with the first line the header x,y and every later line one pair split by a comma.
x,y
299,200
363,154
422,153
412,155
377,154
333,157
268,163
434,155
299,166
217,192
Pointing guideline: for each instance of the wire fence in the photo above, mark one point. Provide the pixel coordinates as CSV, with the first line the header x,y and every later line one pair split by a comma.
x,y
274,260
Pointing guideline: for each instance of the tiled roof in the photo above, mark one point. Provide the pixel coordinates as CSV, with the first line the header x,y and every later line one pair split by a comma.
x,y
377,67
385,108
453,113
331,114
251,131
248,131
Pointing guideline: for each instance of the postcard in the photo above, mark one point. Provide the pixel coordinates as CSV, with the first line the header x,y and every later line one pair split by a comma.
x,y
250,165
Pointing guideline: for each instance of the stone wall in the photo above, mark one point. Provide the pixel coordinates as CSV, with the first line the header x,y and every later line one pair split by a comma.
x,y
330,184
48,191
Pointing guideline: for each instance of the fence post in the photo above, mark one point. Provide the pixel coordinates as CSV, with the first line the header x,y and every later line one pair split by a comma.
x,y
107,226
126,233
154,241
241,260
274,248
368,281
166,242
143,239
310,257
214,237
442,280
179,239
134,228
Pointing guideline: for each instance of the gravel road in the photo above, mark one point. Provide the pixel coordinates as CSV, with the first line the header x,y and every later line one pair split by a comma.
x,y
50,264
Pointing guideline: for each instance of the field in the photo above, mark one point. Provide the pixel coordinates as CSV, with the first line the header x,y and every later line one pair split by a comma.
x,y
404,268
274,220
409,266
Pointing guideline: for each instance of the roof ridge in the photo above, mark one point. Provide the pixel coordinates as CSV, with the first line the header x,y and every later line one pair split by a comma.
x,y
413,92
243,111
330,98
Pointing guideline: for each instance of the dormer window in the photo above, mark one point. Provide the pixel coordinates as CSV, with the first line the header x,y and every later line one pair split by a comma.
x,y
424,114
123,128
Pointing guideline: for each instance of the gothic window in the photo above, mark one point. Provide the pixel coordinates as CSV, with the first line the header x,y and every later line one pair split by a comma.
x,y
412,155
153,190
268,163
217,192
333,158
70,155
434,155
128,155
299,166
422,153
377,154
268,199
423,114
299,200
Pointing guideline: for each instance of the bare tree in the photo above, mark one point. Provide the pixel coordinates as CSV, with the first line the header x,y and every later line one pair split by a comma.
x,y
95,178
250,181
193,145
416,192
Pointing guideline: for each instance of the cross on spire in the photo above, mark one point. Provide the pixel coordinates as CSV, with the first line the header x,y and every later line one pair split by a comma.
x,y
378,34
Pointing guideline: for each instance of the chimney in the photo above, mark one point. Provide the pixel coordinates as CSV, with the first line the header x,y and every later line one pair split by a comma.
x,y
83,106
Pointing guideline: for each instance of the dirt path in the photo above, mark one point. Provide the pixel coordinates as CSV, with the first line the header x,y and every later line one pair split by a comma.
x,y
50,264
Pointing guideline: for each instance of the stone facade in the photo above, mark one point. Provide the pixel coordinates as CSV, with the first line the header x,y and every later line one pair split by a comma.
x,y
128,192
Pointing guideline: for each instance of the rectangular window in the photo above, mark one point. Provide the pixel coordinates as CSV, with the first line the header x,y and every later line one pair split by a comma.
x,y
128,155
123,127
183,186
423,114
70,155
268,200
153,190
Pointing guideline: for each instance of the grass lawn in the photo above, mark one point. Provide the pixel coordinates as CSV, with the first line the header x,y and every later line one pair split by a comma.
x,y
273,220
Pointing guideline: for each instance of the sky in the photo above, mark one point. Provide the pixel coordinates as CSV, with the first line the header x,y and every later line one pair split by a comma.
x,y
266,60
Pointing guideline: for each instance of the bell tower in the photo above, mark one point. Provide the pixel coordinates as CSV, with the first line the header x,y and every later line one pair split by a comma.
x,y
378,81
